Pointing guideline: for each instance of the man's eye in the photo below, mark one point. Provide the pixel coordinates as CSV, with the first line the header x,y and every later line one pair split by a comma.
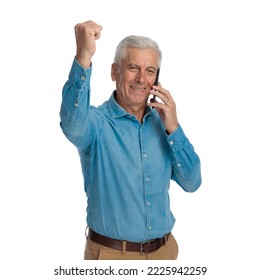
x,y
132,68
151,72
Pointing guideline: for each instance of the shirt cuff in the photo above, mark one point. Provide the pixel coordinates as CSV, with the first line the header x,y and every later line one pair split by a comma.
x,y
177,139
78,75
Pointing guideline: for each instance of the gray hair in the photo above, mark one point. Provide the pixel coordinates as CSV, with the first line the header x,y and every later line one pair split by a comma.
x,y
133,41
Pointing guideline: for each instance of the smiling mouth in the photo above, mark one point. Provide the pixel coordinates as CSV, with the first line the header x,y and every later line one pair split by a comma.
x,y
138,88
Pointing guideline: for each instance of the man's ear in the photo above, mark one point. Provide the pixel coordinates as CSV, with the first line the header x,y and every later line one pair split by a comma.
x,y
113,72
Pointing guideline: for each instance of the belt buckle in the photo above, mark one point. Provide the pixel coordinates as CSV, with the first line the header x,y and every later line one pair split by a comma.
x,y
143,243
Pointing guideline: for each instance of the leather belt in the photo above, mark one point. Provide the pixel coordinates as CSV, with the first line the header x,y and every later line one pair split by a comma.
x,y
142,247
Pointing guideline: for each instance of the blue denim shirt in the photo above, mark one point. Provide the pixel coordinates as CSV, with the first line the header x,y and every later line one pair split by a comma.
x,y
127,165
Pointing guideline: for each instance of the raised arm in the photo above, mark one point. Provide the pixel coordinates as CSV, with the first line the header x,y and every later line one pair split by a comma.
x,y
80,122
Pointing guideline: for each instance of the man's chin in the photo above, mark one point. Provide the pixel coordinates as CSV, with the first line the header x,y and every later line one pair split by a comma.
x,y
139,101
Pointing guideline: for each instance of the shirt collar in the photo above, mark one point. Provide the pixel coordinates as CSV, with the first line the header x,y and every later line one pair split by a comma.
x,y
117,111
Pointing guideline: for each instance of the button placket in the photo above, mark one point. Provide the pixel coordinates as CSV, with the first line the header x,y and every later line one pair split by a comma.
x,y
147,180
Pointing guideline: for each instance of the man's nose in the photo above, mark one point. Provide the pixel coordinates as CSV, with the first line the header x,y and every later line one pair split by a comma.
x,y
140,76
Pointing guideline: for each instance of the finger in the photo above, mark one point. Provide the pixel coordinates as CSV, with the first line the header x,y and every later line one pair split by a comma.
x,y
89,28
157,105
162,95
97,29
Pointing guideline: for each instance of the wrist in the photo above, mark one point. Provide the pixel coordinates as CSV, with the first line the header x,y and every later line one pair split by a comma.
x,y
170,130
84,60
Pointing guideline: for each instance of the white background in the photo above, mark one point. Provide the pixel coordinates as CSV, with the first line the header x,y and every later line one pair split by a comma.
x,y
211,65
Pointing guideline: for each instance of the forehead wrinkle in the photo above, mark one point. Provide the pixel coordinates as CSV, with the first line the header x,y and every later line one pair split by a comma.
x,y
134,56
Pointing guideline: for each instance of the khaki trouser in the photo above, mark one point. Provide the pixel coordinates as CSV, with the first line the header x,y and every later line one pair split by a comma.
x,y
95,251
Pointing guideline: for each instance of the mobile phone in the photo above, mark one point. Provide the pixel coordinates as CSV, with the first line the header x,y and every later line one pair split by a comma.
x,y
152,100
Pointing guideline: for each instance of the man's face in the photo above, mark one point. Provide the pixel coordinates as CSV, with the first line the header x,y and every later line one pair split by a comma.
x,y
135,77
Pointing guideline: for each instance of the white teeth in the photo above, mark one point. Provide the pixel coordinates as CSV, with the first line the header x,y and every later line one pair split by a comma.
x,y
137,88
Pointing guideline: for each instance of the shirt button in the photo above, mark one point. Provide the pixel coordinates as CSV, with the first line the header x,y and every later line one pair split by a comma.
x,y
76,104
147,179
149,227
144,155
171,142
179,164
82,78
148,203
